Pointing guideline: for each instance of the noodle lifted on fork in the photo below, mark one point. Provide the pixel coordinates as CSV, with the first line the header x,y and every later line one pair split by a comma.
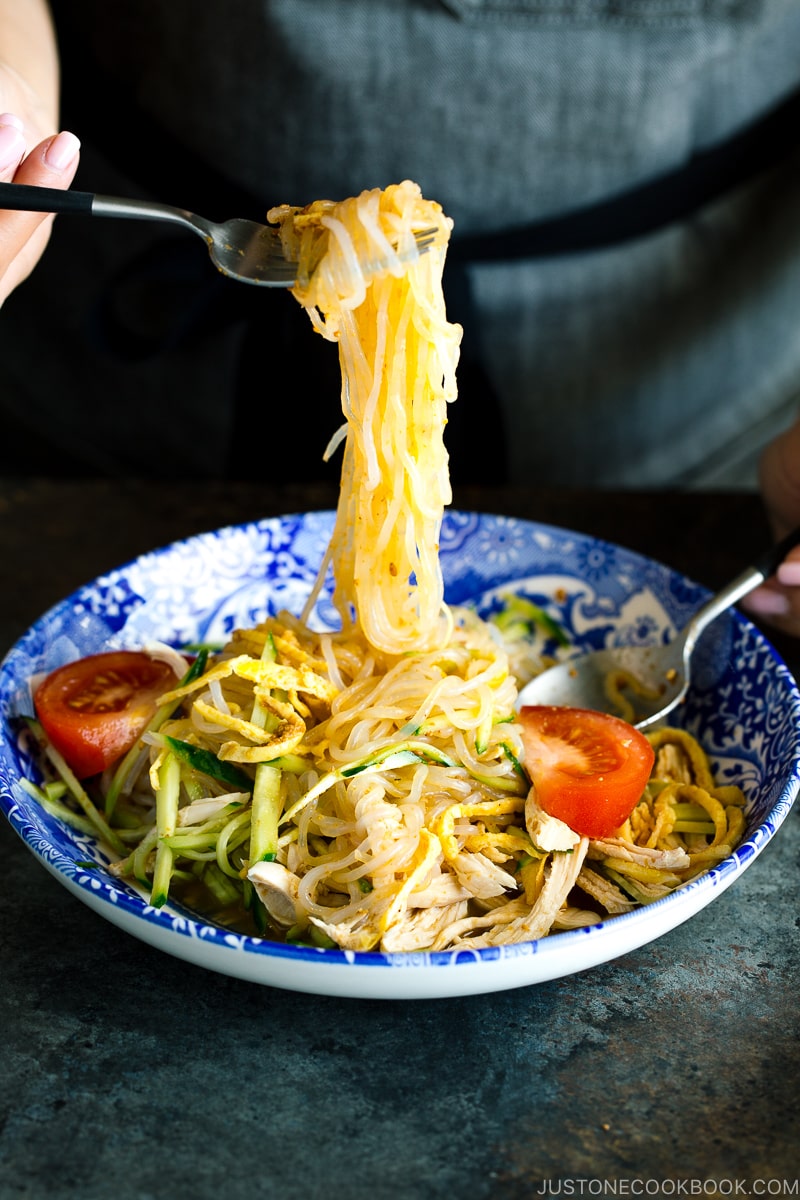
x,y
398,356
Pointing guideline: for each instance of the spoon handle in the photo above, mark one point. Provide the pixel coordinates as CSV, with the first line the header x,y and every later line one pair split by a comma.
x,y
765,565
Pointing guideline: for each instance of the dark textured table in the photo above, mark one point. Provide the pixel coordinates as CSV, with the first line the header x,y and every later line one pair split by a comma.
x,y
126,1073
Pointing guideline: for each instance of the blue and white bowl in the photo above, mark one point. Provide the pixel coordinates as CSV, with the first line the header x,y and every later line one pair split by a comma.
x,y
744,708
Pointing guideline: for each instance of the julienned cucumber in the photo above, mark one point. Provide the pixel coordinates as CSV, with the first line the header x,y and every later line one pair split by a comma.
x,y
207,763
397,756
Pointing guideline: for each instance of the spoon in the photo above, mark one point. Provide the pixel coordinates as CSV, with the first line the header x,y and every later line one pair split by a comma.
x,y
656,678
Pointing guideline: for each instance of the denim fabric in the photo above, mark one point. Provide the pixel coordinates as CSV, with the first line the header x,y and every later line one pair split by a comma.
x,y
667,358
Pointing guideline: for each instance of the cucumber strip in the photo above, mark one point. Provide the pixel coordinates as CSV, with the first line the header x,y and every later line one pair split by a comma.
x,y
207,763
409,751
261,717
516,764
159,717
482,734
126,819
212,824
194,789
235,833
266,804
59,811
132,837
139,859
295,764
97,819
704,827
181,875
520,610
255,906
55,790
185,843
690,812
496,782
222,888
167,796
260,915
266,813
628,886
321,939
196,856
402,754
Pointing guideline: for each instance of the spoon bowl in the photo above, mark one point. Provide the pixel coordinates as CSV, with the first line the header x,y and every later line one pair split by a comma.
x,y
644,684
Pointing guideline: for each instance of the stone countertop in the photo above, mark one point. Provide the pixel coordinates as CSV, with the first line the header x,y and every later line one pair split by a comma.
x,y
127,1073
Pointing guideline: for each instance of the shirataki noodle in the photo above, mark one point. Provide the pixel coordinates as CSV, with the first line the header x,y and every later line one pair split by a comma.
x,y
398,357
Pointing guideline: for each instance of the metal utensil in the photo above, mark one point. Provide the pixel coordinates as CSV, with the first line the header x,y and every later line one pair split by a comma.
x,y
239,248
654,679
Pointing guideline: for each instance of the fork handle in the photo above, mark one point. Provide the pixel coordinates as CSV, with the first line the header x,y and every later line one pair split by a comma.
x,y
772,558
21,197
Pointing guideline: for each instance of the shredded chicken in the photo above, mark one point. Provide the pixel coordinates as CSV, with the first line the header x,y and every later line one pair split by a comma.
x,y
672,763
546,832
277,889
662,860
421,928
534,921
481,877
604,891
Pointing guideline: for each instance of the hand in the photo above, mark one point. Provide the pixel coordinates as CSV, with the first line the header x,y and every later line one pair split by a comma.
x,y
51,163
778,600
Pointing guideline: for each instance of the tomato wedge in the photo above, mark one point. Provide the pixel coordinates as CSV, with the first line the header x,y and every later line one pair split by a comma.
x,y
93,710
589,769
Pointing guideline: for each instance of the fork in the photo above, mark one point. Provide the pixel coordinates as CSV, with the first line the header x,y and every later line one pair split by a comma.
x,y
242,249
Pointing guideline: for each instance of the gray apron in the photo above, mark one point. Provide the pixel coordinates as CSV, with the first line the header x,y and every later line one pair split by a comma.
x,y
624,178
